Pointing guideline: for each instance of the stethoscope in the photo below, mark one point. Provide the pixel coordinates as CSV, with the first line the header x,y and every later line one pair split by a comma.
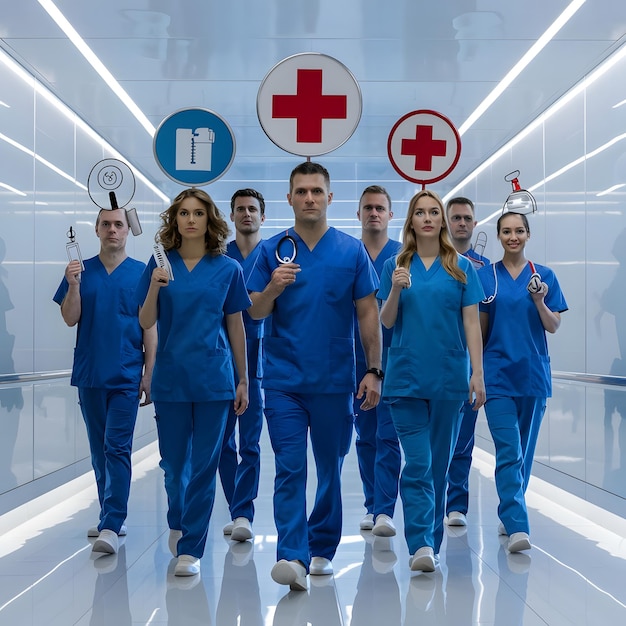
x,y
534,284
286,238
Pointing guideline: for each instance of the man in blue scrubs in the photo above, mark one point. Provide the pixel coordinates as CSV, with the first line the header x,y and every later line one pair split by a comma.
x,y
113,362
377,446
240,479
309,367
461,220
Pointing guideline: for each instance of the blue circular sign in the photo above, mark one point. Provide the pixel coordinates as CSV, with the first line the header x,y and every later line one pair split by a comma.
x,y
194,146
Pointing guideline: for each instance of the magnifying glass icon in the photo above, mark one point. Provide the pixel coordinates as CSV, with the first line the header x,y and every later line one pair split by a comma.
x,y
286,244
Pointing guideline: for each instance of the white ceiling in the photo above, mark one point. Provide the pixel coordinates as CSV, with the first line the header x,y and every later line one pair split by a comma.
x,y
405,54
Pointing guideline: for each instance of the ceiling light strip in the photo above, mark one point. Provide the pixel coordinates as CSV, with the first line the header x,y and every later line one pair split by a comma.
x,y
19,71
13,189
97,64
557,106
519,67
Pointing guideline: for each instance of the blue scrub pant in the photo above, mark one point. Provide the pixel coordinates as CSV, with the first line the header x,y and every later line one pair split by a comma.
x,y
428,430
290,418
514,424
240,479
190,441
110,416
378,454
458,474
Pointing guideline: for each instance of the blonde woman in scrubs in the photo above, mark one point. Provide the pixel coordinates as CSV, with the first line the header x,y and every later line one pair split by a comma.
x,y
430,297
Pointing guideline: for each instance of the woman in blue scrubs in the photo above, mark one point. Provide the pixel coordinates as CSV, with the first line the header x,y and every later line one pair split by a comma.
x,y
514,320
200,327
430,297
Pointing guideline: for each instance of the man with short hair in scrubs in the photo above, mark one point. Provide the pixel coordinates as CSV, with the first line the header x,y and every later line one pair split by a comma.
x,y
113,362
461,220
309,367
240,477
377,445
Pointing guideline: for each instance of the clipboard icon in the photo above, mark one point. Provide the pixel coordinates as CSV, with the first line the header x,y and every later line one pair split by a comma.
x,y
194,148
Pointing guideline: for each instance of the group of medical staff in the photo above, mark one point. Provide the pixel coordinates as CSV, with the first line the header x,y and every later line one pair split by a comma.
x,y
404,340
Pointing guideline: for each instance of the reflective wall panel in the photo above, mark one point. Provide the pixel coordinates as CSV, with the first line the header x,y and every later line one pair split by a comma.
x,y
46,155
574,163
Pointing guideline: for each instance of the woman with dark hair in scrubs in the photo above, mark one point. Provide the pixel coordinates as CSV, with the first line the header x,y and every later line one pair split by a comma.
x,y
430,297
200,328
515,317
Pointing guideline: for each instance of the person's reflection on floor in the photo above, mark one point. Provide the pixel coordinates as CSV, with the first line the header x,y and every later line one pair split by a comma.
x,y
186,600
377,599
425,600
460,592
319,607
513,572
240,602
292,610
324,607
110,595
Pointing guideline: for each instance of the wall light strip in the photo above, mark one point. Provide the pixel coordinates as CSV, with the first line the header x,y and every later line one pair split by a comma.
x,y
606,192
578,161
43,91
13,189
557,106
41,160
97,64
519,67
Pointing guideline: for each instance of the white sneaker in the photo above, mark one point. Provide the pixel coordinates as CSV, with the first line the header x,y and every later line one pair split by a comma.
x,y
423,560
187,565
384,526
502,529
94,532
242,529
367,523
228,529
172,541
456,518
291,573
320,566
106,542
519,542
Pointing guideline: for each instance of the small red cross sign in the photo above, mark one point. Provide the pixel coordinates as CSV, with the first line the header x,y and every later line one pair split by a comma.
x,y
309,104
424,146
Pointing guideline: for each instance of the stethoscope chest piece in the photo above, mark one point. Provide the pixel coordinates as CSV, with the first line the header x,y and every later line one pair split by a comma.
x,y
286,244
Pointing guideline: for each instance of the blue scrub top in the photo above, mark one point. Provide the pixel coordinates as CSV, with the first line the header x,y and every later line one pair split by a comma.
x,y
391,248
109,340
254,328
194,359
309,341
478,260
428,355
515,357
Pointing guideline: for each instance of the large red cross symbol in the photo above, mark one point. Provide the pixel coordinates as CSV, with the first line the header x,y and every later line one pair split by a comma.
x,y
309,106
423,148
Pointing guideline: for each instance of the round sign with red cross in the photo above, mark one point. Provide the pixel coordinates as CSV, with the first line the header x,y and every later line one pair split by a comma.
x,y
309,104
424,146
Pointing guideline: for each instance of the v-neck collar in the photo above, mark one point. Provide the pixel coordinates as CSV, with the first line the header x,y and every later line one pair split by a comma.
x,y
419,266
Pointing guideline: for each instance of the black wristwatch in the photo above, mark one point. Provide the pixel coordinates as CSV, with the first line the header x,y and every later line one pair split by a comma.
x,y
378,373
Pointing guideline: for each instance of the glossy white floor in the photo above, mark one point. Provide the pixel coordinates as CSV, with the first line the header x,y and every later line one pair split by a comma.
x,y
574,573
